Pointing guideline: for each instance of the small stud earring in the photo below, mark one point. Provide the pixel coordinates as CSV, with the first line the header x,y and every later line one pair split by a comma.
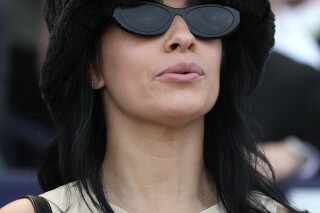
x,y
92,84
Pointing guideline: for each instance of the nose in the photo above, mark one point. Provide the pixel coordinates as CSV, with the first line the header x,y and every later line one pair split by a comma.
x,y
178,37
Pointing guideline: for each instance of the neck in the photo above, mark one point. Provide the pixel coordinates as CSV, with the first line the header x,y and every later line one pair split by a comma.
x,y
157,168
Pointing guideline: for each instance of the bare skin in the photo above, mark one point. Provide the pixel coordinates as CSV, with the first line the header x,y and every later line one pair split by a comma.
x,y
159,173
18,206
154,159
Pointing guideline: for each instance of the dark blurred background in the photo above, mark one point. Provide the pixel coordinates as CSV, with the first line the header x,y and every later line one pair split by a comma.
x,y
25,124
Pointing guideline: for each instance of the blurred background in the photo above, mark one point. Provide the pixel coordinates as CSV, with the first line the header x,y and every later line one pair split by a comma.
x,y
286,104
25,124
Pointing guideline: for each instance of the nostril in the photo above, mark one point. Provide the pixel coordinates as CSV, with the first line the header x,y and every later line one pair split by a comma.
x,y
191,47
174,46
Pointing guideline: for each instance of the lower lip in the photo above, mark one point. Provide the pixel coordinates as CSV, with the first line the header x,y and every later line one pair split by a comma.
x,y
176,77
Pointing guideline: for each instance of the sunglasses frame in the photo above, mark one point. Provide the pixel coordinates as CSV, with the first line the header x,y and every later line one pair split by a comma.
x,y
117,16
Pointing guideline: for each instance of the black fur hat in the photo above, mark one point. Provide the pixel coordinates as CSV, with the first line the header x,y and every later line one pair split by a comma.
x,y
75,24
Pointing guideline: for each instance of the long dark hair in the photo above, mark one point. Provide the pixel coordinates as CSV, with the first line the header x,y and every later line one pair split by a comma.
x,y
78,150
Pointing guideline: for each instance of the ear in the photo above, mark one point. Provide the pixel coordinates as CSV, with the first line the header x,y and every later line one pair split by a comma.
x,y
97,78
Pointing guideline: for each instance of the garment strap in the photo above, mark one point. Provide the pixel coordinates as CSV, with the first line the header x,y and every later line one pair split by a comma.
x,y
40,204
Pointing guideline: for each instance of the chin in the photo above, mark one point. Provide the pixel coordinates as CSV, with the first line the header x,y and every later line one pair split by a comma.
x,y
189,107
187,113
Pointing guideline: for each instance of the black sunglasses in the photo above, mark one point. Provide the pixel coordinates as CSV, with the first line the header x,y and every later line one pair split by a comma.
x,y
151,19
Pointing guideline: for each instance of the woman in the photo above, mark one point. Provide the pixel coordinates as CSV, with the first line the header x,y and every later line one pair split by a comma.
x,y
149,104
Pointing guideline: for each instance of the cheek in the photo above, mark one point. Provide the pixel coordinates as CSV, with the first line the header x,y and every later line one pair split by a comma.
x,y
212,92
212,56
125,56
125,71
122,72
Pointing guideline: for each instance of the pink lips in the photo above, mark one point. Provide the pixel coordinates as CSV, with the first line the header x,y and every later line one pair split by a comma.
x,y
182,72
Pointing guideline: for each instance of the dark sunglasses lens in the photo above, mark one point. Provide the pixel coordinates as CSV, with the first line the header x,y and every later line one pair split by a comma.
x,y
145,19
210,20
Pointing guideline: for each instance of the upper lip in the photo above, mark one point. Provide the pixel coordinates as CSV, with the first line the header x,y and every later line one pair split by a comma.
x,y
183,68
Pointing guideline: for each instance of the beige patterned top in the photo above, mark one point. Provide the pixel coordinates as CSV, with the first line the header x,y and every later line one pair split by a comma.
x,y
60,200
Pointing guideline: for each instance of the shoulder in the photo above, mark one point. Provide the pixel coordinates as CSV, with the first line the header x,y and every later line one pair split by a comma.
x,y
265,201
59,192
69,198
18,206
62,193
281,209
58,198
270,204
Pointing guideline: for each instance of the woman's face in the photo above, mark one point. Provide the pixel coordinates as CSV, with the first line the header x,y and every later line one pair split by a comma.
x,y
166,79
